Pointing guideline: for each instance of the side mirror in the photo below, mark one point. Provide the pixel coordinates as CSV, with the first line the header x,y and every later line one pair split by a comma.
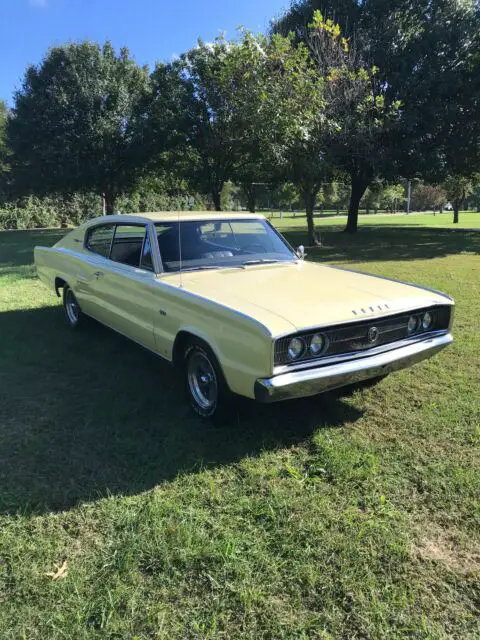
x,y
300,251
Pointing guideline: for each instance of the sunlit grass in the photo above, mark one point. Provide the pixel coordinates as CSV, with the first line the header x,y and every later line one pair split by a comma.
x,y
333,517
468,220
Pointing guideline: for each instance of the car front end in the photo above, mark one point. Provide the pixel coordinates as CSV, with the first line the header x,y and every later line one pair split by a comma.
x,y
319,359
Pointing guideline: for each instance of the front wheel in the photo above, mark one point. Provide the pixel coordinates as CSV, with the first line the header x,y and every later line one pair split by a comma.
x,y
73,313
208,393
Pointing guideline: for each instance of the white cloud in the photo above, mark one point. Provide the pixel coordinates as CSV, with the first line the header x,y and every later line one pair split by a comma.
x,y
41,4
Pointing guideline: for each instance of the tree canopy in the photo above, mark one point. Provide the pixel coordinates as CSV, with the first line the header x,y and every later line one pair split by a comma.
x,y
340,95
73,127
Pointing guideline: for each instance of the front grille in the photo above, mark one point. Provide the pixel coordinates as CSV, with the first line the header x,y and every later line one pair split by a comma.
x,y
354,337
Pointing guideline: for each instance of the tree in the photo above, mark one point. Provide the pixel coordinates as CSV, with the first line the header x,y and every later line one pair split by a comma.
x,y
4,149
73,127
373,196
356,103
426,196
422,52
245,107
393,195
458,188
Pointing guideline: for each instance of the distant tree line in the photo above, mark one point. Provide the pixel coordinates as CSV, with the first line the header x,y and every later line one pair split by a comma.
x,y
341,103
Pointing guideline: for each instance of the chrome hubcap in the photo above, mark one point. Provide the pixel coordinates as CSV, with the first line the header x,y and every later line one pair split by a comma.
x,y
72,308
202,380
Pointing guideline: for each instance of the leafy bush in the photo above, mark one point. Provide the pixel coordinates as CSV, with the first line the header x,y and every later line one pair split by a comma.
x,y
53,211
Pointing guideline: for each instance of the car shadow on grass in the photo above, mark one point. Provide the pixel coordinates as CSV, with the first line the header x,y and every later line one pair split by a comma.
x,y
87,413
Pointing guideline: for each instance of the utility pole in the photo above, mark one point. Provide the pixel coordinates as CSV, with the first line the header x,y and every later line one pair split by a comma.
x,y
409,195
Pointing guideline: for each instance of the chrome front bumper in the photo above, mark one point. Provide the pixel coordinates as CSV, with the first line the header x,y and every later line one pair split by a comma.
x,y
309,382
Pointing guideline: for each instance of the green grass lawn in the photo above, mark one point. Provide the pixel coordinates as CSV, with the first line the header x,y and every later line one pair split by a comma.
x,y
333,517
468,220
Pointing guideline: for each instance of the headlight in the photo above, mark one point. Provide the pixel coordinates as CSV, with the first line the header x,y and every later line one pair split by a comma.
x,y
317,344
412,325
296,348
427,321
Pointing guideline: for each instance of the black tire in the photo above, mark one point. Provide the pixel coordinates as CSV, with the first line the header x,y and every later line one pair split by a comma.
x,y
210,399
73,312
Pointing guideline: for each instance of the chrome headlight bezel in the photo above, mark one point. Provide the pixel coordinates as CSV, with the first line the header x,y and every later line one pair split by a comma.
x,y
427,321
301,348
322,345
413,325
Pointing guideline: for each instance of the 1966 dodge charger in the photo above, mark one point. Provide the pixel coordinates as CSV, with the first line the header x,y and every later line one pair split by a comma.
x,y
225,299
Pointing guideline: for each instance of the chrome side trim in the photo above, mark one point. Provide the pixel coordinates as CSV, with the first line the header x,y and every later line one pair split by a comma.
x,y
356,355
300,384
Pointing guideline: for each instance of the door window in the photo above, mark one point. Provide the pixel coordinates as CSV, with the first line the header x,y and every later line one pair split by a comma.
x,y
128,244
99,239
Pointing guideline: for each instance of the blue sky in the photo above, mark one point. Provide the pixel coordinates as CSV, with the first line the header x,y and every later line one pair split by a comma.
x,y
151,29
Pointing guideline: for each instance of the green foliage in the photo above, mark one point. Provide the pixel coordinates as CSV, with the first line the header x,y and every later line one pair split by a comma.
x,y
458,188
394,197
421,116
425,196
4,150
49,211
240,104
73,127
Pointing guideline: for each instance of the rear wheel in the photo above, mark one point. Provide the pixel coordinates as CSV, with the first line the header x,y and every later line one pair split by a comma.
x,y
208,393
73,312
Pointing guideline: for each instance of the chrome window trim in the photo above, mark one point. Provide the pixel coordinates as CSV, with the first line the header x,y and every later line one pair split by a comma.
x,y
316,363
229,220
130,224
156,257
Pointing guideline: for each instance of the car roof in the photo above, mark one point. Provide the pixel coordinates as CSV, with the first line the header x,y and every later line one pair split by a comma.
x,y
169,216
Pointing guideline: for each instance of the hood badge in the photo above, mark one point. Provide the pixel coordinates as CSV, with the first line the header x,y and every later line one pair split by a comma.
x,y
372,309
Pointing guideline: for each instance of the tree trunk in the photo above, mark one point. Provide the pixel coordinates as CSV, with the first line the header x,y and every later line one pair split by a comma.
x,y
109,199
250,193
359,187
456,209
310,197
216,197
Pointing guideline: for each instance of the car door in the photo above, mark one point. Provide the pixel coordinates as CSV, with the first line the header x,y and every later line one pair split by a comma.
x,y
125,291
92,265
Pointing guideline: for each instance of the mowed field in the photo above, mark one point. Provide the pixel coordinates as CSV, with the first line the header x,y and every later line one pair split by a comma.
x,y
468,220
123,516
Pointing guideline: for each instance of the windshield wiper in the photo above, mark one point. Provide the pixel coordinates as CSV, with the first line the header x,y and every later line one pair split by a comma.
x,y
201,268
261,261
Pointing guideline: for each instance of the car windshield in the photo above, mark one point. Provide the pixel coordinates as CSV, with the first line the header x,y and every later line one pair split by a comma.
x,y
220,244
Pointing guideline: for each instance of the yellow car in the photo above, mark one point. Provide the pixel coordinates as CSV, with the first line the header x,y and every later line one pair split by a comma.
x,y
224,298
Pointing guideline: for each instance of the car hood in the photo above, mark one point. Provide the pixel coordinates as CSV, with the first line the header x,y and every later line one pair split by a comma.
x,y
296,296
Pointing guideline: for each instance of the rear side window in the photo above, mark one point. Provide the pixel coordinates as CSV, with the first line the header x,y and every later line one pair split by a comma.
x,y
99,239
128,244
